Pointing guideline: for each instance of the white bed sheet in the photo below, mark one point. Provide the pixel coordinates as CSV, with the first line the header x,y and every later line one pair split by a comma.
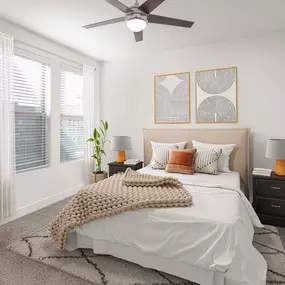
x,y
215,233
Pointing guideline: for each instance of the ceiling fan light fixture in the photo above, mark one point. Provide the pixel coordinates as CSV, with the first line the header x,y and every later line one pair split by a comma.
x,y
136,22
138,16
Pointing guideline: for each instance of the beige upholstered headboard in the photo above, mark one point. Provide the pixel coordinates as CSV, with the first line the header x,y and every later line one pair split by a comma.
x,y
240,137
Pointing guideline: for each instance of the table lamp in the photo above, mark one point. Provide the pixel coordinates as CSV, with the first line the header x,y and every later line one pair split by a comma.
x,y
276,149
121,144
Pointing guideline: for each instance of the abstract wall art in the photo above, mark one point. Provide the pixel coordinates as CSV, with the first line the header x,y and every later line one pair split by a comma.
x,y
216,96
172,98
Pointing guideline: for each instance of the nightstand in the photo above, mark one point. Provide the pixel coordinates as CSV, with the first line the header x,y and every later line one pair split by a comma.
x,y
269,199
116,167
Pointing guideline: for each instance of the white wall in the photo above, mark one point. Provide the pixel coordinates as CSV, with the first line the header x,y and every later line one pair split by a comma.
x,y
128,99
38,188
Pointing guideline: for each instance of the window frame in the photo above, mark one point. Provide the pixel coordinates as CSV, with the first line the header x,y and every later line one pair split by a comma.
x,y
29,55
64,67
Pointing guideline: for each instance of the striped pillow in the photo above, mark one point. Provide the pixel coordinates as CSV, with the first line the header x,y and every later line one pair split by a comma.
x,y
206,161
160,153
181,161
224,160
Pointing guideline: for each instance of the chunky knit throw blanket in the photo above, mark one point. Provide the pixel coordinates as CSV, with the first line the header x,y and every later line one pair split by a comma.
x,y
113,196
133,178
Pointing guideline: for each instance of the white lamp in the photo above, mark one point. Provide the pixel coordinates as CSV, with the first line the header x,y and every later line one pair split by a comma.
x,y
276,149
121,144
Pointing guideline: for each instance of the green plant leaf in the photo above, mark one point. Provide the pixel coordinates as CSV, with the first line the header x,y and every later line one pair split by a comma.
x,y
95,133
90,140
102,132
104,125
107,126
102,151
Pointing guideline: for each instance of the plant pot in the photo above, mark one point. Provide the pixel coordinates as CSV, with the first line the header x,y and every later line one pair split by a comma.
x,y
99,176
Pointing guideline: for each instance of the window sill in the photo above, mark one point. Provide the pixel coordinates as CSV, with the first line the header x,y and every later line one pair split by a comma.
x,y
72,161
32,169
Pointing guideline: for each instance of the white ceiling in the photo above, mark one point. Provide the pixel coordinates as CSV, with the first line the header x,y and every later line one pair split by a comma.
x,y
215,20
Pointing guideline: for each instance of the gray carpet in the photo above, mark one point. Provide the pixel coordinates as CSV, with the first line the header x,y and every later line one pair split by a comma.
x,y
19,270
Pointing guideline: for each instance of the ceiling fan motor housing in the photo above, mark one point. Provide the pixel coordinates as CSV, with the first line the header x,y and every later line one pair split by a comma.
x,y
136,14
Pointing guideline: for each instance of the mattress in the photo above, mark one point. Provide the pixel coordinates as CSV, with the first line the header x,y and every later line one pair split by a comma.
x,y
215,233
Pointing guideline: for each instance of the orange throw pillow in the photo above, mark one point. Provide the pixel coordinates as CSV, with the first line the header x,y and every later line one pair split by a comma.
x,y
181,161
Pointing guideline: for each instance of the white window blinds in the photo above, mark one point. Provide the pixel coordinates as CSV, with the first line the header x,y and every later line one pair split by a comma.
x,y
31,89
71,127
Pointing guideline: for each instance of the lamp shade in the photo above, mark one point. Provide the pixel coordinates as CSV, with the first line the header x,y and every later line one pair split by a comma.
x,y
275,148
119,143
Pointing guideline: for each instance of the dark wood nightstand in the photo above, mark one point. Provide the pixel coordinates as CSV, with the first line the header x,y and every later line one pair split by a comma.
x,y
116,167
269,199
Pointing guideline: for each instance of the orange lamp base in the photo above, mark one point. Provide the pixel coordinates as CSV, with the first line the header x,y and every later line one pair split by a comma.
x,y
121,156
280,168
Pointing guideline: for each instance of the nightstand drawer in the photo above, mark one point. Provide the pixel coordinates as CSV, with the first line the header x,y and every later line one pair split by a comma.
x,y
270,188
270,206
117,169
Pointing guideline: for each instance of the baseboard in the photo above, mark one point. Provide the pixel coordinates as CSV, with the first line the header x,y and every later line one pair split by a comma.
x,y
42,203
46,202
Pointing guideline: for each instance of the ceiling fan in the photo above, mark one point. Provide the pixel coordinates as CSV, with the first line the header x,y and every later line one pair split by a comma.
x,y
138,16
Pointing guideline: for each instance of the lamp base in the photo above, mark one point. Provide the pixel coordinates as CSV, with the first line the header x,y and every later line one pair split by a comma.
x,y
280,167
121,156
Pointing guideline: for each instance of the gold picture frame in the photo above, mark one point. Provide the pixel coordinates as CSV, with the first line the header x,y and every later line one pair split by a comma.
x,y
229,100
166,86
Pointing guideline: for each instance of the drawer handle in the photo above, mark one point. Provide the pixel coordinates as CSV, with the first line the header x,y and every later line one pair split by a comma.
x,y
275,206
275,187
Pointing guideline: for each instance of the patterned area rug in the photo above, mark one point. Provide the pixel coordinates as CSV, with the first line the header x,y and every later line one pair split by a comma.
x,y
108,270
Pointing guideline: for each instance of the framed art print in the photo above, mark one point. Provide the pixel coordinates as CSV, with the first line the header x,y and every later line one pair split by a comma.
x,y
172,98
216,96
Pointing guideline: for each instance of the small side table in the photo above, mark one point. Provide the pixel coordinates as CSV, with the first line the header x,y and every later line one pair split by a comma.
x,y
269,199
116,167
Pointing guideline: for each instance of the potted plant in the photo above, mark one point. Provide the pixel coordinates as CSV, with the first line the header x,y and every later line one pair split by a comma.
x,y
99,140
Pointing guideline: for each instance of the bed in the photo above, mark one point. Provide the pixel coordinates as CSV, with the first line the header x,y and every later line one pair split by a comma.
x,y
209,243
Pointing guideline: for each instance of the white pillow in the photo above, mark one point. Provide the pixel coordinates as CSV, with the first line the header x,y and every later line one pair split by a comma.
x,y
160,153
224,160
206,161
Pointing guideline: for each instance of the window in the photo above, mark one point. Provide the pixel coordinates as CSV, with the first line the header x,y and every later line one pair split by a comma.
x,y
71,125
31,88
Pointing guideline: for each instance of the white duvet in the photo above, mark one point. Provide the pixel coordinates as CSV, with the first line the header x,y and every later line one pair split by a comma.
x,y
215,233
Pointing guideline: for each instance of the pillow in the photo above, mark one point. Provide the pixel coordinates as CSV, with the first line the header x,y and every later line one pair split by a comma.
x,y
160,153
181,161
206,161
224,160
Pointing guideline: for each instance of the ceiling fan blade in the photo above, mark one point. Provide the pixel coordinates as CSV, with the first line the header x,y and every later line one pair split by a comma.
x,y
119,5
155,19
150,5
104,23
138,36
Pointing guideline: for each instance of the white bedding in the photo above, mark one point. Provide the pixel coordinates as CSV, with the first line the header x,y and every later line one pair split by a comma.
x,y
215,233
